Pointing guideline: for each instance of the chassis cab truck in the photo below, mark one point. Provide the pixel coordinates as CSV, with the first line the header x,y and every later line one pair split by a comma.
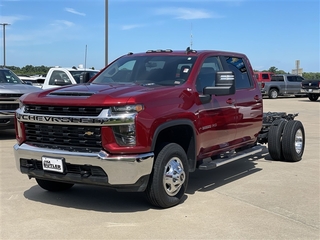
x,y
149,119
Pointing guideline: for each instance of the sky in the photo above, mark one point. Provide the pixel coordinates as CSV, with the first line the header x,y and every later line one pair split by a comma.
x,y
66,33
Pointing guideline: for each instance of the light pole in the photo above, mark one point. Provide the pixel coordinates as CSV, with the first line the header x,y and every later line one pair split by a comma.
x,y
4,42
106,33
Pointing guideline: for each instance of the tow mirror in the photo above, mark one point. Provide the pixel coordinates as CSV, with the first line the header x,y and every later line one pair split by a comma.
x,y
60,82
85,77
224,84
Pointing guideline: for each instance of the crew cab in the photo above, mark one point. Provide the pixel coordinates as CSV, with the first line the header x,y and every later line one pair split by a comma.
x,y
59,76
282,85
149,119
11,89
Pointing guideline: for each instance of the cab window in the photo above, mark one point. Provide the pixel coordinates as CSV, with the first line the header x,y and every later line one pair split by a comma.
x,y
207,73
239,68
59,78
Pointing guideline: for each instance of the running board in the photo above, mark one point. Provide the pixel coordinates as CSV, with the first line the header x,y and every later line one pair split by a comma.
x,y
211,164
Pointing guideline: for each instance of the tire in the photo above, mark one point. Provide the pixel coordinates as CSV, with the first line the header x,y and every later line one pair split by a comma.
x,y
275,138
293,141
273,93
169,179
313,97
53,186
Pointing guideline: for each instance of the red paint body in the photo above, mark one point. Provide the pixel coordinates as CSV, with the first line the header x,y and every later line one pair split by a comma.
x,y
224,123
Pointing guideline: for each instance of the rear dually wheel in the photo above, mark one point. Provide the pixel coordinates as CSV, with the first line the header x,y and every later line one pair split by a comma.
x,y
293,141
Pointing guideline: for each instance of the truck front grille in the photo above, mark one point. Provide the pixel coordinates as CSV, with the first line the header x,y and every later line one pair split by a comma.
x,y
10,95
62,137
11,106
63,110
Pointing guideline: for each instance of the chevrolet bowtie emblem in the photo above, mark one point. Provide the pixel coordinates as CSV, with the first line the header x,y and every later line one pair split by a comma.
x,y
88,133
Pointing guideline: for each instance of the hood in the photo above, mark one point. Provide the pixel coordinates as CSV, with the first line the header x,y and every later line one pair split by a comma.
x,y
18,88
91,94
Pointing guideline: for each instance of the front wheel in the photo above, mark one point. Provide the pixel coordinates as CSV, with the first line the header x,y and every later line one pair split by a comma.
x,y
169,179
53,186
313,97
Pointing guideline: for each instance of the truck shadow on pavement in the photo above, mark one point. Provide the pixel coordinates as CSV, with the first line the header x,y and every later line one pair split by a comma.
x,y
204,181
92,198
103,199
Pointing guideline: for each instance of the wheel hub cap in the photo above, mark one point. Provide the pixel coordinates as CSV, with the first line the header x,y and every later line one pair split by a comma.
x,y
174,176
298,141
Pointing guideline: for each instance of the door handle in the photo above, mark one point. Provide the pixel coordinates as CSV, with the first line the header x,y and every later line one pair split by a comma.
x,y
230,101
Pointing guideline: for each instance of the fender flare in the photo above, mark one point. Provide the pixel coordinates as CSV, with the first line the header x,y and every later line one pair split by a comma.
x,y
191,160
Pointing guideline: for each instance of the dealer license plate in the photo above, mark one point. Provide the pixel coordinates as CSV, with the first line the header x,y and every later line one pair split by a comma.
x,y
52,164
310,90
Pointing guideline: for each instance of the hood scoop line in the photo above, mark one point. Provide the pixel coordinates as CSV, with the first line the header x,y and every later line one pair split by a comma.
x,y
69,93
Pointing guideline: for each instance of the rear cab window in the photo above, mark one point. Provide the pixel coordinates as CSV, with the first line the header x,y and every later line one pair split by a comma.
x,y
238,67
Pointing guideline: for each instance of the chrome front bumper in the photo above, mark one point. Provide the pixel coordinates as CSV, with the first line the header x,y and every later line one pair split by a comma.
x,y
120,169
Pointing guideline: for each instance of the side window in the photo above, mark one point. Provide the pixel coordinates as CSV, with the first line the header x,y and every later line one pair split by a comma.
x,y
59,78
265,76
291,78
299,79
238,67
207,74
277,78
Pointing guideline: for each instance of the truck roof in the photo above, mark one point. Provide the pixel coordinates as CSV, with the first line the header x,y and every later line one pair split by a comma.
x,y
187,52
74,69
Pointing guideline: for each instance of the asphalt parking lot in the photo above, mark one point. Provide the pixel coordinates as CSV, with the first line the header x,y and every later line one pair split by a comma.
x,y
252,198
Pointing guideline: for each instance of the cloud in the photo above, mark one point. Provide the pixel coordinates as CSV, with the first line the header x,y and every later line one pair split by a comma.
x,y
186,13
12,19
132,26
71,10
62,23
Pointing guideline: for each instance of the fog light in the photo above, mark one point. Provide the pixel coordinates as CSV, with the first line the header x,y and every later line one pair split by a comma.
x,y
125,135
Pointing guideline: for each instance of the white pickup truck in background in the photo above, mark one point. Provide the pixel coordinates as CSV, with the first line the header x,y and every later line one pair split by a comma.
x,y
58,76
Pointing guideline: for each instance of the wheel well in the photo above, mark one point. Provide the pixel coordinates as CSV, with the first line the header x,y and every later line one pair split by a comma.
x,y
182,135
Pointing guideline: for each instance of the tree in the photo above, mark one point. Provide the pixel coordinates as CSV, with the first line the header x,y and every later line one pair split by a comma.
x,y
273,69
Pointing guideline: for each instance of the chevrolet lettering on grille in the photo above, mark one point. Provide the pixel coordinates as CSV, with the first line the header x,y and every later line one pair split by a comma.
x,y
50,119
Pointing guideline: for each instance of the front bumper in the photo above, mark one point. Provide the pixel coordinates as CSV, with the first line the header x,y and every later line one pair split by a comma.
x,y
123,172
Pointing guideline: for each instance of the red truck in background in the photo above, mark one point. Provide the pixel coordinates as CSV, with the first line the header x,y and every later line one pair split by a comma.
x,y
263,76
149,119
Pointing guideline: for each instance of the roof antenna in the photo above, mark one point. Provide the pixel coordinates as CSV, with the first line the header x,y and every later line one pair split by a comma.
x,y
85,58
191,38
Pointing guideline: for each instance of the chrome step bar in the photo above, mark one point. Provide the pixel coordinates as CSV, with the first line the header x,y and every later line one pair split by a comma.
x,y
208,163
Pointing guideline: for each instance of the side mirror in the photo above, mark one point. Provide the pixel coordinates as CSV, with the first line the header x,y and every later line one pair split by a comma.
x,y
28,83
224,84
85,77
60,82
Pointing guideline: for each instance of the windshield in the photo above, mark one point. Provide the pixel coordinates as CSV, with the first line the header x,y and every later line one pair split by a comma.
x,y
148,70
7,76
76,74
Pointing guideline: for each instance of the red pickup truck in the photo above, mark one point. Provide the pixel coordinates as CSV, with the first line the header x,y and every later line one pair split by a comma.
x,y
149,119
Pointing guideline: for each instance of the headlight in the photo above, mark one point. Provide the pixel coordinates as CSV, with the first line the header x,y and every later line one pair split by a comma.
x,y
21,105
125,135
127,109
